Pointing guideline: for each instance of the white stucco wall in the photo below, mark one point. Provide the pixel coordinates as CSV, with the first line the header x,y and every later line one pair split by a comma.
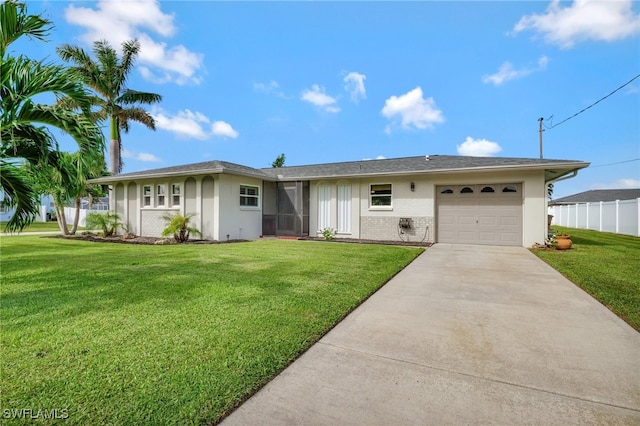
x,y
419,205
235,221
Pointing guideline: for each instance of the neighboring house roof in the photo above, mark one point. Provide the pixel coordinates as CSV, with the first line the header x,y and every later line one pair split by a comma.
x,y
597,195
392,166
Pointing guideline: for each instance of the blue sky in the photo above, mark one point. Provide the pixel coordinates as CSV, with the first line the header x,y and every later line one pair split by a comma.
x,y
341,81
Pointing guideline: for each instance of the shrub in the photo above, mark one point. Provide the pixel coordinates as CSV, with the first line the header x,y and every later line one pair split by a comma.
x,y
108,222
178,226
328,233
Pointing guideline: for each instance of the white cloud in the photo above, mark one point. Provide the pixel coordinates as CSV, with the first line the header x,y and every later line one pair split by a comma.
x,y
140,156
414,110
478,147
221,128
185,124
507,72
319,98
270,88
354,84
191,125
583,20
117,21
628,183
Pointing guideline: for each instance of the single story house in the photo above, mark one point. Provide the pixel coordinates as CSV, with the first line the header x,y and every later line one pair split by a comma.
x,y
434,198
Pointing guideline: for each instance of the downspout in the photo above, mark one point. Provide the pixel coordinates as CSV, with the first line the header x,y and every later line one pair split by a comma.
x,y
561,178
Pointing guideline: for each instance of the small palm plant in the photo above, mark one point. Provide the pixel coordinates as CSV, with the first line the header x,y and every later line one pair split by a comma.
x,y
108,222
178,226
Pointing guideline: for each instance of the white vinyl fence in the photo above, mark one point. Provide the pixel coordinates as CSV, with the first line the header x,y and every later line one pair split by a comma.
x,y
620,216
70,214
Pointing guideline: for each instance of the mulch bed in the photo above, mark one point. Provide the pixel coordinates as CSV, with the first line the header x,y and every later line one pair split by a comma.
x,y
356,241
87,236
138,240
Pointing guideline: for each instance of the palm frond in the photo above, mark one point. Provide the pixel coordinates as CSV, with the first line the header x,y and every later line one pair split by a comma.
x,y
130,97
15,22
18,193
138,115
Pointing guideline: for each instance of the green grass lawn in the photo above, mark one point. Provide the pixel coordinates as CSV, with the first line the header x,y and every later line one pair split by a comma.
x,y
605,265
39,227
129,334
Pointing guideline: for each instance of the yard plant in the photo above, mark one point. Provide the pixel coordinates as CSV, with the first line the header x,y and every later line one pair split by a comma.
x,y
605,265
179,227
178,334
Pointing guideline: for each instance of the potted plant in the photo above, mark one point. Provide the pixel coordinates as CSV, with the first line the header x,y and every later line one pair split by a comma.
x,y
563,241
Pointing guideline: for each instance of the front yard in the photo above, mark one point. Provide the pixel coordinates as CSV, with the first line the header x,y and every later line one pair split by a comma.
x,y
605,265
124,334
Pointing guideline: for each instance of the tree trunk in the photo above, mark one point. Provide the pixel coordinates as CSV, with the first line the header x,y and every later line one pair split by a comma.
x,y
76,218
114,148
114,157
62,220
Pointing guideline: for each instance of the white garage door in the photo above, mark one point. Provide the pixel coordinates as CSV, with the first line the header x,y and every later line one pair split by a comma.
x,y
480,214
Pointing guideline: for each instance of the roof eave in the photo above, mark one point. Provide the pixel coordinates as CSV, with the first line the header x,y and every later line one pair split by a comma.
x,y
569,167
218,170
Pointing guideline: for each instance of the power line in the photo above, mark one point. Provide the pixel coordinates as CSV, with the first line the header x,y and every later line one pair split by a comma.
x,y
611,164
593,104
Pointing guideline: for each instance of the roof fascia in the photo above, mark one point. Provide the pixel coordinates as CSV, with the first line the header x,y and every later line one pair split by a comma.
x,y
546,166
218,170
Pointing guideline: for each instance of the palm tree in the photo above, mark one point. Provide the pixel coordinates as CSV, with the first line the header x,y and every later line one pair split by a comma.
x,y
67,183
24,135
107,77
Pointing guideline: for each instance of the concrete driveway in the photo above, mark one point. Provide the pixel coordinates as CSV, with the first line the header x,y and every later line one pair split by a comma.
x,y
465,334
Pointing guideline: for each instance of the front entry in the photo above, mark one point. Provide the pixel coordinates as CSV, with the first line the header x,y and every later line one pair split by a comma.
x,y
285,208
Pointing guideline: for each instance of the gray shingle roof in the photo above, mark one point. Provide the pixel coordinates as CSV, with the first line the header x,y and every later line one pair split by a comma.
x,y
597,195
391,166
410,165
190,169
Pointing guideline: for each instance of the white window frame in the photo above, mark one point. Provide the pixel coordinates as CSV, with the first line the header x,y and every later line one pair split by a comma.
x,y
175,194
373,206
246,196
161,193
344,209
147,196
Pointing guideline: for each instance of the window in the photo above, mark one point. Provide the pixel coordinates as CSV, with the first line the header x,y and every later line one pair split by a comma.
x,y
175,194
344,208
487,189
446,191
249,196
4,208
160,196
146,196
509,188
324,207
381,195
466,190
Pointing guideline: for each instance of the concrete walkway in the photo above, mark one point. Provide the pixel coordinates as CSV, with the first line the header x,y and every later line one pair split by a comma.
x,y
464,335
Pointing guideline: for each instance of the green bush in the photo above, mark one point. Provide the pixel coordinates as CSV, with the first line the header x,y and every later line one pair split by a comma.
x,y
108,223
178,226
